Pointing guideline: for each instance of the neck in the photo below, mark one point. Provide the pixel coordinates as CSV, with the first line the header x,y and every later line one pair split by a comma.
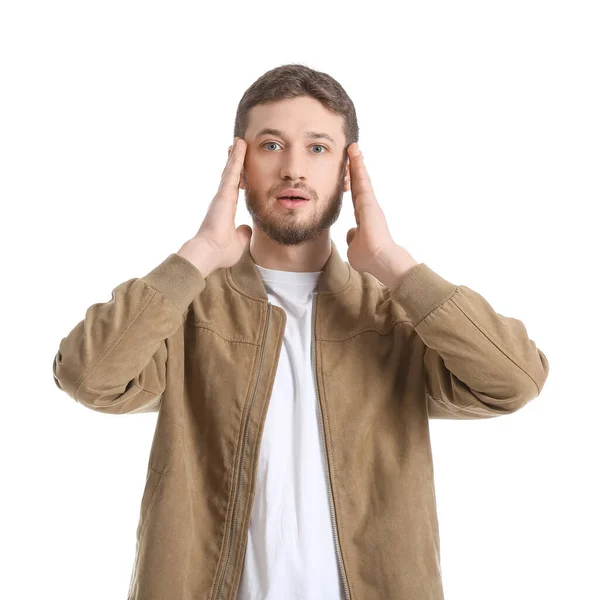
x,y
307,257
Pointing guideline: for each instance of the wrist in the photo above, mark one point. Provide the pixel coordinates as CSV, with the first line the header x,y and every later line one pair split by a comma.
x,y
200,254
397,263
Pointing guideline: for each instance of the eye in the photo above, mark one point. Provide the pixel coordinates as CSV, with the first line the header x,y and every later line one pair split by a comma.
x,y
314,146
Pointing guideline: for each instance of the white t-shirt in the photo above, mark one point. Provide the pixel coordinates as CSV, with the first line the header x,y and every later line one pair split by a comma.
x,y
291,550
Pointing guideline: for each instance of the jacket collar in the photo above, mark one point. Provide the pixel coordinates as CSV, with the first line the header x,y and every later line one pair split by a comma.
x,y
333,279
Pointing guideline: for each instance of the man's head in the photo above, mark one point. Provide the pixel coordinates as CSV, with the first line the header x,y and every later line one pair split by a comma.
x,y
302,106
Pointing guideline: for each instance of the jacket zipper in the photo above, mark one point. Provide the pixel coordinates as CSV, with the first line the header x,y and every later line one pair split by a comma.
x,y
242,458
327,479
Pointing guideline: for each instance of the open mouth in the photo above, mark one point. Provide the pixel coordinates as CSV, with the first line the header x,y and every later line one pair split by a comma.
x,y
292,201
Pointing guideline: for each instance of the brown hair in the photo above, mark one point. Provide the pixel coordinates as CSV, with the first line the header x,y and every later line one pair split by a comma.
x,y
291,81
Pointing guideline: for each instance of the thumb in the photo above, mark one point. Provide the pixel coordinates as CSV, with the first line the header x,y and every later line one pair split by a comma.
x,y
245,233
350,235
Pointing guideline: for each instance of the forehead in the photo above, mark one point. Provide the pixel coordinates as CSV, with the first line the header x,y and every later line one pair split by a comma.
x,y
296,118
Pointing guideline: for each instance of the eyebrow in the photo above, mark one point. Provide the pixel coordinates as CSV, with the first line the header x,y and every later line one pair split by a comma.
x,y
310,134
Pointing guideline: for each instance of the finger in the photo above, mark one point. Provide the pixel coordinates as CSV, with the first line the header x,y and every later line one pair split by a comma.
x,y
226,166
361,186
350,235
229,161
229,182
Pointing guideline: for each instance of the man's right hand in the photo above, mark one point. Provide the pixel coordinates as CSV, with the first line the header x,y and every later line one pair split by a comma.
x,y
218,243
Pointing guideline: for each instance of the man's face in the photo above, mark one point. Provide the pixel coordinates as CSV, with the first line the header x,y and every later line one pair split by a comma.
x,y
294,159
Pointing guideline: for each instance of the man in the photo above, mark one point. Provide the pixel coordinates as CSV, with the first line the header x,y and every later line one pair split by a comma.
x,y
291,456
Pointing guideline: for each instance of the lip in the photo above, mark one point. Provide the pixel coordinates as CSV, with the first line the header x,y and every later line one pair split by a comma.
x,y
292,203
292,192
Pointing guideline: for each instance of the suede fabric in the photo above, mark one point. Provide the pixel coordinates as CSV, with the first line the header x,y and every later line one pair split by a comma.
x,y
203,354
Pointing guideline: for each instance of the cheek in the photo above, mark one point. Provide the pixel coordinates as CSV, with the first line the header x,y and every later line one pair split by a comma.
x,y
254,162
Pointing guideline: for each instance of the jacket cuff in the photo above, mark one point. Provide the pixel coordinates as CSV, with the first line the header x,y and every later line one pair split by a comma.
x,y
420,291
176,278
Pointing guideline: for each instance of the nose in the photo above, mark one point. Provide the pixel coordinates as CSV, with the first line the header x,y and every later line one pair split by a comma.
x,y
293,165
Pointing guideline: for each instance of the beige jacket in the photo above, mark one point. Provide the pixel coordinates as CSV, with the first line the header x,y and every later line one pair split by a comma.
x,y
203,352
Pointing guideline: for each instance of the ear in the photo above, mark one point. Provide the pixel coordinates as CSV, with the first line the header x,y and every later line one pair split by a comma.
x,y
241,183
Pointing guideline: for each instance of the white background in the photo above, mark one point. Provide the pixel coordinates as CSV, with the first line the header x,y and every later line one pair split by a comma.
x,y
476,128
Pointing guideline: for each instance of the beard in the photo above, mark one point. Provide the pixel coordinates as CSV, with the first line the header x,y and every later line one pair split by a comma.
x,y
292,227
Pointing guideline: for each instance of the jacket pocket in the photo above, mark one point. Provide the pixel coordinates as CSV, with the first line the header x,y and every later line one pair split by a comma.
x,y
153,480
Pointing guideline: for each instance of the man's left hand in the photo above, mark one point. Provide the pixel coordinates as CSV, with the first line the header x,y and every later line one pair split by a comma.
x,y
370,245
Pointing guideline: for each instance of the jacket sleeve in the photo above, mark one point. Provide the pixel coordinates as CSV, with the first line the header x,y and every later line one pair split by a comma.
x,y
477,363
114,360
